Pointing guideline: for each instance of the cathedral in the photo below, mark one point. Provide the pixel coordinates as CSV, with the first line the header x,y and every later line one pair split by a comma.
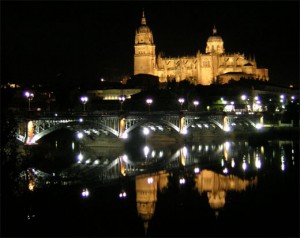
x,y
213,66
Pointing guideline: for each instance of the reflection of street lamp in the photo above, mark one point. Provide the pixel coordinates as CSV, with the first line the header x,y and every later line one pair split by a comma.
x,y
84,100
181,101
122,99
30,96
196,103
149,102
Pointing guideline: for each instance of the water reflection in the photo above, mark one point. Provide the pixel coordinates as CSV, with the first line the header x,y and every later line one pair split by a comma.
x,y
216,185
216,170
146,187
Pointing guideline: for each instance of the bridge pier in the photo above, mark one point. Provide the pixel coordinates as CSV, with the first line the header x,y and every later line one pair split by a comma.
x,y
226,124
121,127
29,132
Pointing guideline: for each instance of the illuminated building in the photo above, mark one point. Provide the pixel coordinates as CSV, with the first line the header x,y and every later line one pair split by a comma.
x,y
203,68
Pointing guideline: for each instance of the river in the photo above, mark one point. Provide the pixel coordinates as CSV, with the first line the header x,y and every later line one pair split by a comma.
x,y
216,186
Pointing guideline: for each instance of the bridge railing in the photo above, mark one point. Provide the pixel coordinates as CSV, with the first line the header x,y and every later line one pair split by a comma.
x,y
76,114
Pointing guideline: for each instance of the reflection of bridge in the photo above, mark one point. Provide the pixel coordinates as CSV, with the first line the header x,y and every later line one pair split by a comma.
x,y
221,156
33,128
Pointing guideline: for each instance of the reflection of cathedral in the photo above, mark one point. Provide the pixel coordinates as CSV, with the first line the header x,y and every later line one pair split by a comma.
x,y
146,193
216,186
204,68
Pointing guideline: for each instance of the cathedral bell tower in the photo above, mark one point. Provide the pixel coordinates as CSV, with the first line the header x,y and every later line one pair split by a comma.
x,y
144,50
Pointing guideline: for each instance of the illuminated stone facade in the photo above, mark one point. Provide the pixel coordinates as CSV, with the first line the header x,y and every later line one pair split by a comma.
x,y
204,68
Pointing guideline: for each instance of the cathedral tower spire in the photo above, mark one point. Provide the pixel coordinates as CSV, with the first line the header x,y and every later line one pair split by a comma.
x,y
214,30
143,19
144,48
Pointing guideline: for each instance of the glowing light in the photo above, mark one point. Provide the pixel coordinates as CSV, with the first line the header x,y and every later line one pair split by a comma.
x,y
206,147
149,101
146,131
122,194
85,193
258,126
150,180
79,135
80,157
125,136
84,100
184,150
184,131
200,148
197,170
146,151
181,101
244,165
31,185
122,99
282,163
232,163
226,128
257,163
29,96
225,170
182,181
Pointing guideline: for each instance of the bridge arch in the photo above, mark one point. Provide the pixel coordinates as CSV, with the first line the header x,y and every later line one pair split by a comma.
x,y
145,121
58,126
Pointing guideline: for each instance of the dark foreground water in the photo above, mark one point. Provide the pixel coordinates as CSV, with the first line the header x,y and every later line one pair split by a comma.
x,y
214,187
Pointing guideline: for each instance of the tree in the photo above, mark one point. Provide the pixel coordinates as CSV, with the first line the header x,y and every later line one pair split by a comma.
x,y
13,155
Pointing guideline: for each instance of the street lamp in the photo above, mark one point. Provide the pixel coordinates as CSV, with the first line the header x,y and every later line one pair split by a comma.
x,y
84,100
196,103
244,97
149,101
181,101
29,96
122,99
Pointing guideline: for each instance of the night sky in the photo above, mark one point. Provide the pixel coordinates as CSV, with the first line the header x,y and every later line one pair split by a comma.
x,y
84,41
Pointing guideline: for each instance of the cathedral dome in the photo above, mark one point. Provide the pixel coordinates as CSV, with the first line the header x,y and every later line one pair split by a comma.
x,y
143,34
215,43
215,37
144,29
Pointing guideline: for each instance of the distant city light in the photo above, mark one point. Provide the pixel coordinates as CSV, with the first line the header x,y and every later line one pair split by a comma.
x,y
182,181
122,194
85,193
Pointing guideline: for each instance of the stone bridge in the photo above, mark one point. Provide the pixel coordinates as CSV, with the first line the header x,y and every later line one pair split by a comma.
x,y
120,124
